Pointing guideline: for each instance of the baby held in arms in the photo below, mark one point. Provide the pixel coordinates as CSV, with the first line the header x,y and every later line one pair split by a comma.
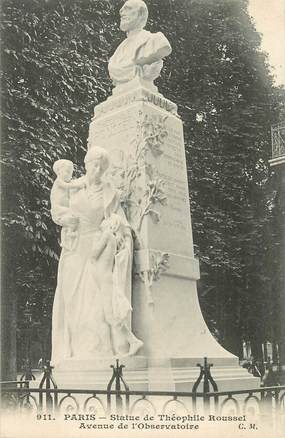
x,y
60,201
112,242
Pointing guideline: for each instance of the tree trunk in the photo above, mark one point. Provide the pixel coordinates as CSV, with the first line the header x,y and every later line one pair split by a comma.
x,y
8,335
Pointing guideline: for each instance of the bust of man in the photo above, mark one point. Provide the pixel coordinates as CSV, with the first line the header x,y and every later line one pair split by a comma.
x,y
140,55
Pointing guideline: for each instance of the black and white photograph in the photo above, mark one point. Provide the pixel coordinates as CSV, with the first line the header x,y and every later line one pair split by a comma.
x,y
142,218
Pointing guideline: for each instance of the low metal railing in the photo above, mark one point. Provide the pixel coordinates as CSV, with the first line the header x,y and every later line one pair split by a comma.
x,y
117,398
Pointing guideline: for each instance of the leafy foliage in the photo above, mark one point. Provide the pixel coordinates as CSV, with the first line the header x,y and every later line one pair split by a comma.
x,y
54,57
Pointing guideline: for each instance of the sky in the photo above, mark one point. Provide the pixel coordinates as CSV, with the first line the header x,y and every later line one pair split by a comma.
x,y
269,18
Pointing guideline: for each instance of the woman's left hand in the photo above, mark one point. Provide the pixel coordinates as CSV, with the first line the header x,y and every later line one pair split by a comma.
x,y
116,222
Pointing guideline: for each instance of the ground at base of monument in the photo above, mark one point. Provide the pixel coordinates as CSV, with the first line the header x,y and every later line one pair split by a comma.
x,y
153,374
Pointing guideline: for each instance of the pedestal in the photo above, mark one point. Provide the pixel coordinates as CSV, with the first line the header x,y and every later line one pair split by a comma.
x,y
144,136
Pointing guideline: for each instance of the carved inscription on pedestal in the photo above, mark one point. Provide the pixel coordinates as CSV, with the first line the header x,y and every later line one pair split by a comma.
x,y
121,134
175,223
114,132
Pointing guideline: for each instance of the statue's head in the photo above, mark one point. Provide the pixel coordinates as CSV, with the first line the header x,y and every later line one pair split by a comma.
x,y
134,15
96,162
63,169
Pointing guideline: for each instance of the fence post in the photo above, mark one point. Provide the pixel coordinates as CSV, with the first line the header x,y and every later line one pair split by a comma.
x,y
48,379
205,374
117,377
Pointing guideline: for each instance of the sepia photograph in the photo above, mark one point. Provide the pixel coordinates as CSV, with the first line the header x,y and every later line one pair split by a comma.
x,y
142,218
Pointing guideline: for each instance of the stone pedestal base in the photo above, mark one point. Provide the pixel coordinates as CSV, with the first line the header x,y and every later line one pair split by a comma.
x,y
142,374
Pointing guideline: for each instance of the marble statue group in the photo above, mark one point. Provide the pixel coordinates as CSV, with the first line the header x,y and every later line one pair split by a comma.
x,y
127,273
91,308
92,304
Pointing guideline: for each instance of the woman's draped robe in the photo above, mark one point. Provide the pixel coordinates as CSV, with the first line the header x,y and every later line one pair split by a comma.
x,y
79,326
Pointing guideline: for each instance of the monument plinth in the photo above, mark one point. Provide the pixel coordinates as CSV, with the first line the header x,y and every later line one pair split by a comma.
x,y
144,136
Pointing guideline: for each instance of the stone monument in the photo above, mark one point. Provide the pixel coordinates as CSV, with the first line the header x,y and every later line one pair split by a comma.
x,y
143,135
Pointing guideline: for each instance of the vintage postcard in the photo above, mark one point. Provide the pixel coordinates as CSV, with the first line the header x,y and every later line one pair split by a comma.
x,y
143,165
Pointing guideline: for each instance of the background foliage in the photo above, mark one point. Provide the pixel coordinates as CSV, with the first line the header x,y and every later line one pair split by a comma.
x,y
54,57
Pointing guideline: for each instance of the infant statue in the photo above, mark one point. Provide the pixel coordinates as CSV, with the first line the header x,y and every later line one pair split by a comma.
x,y
60,201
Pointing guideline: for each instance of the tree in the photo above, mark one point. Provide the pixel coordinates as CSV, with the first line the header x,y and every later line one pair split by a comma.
x,y
51,63
228,105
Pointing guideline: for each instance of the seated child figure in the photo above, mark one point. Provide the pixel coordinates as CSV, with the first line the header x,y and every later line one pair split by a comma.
x,y
60,201
115,303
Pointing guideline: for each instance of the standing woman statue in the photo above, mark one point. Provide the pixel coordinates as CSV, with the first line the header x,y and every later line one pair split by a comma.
x,y
92,301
